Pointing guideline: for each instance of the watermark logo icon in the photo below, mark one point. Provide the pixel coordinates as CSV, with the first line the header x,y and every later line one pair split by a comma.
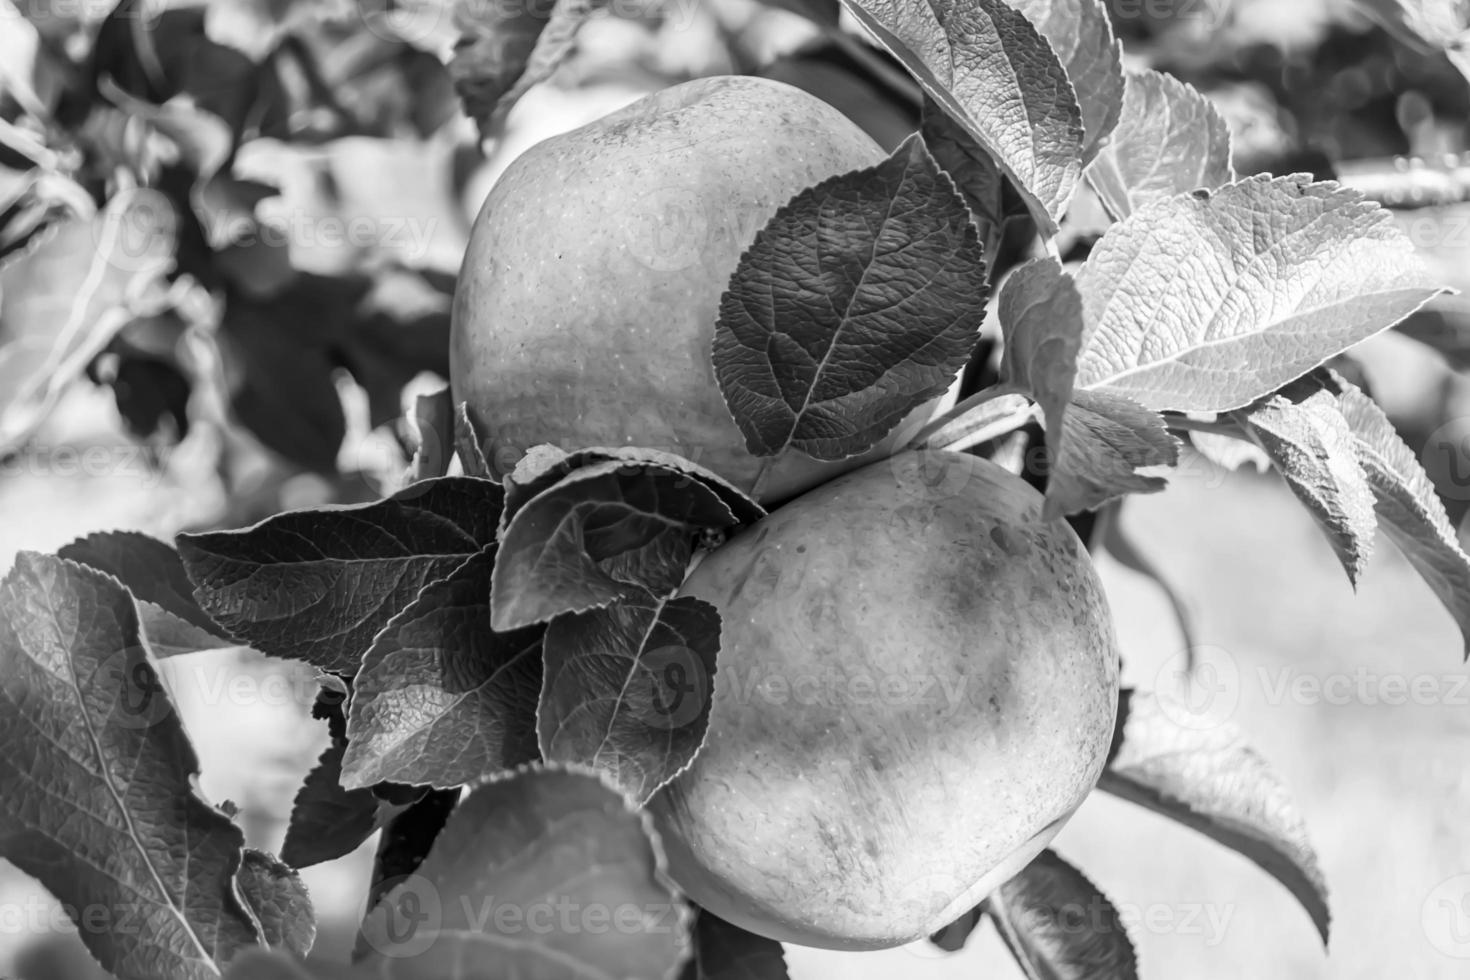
x,y
1446,917
675,687
407,920
1201,685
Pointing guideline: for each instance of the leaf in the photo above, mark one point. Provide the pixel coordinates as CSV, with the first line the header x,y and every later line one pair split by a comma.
x,y
545,466
275,895
952,937
317,585
1081,35
1207,302
628,688
441,699
605,531
1445,331
97,797
172,621
283,345
1040,314
993,204
1305,434
1059,926
1209,779
469,445
858,301
727,952
1106,439
504,50
328,821
433,434
1435,25
517,850
1170,139
996,76
1119,544
62,301
1409,511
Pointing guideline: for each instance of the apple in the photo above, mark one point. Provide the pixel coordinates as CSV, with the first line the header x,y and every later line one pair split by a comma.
x,y
586,305
917,686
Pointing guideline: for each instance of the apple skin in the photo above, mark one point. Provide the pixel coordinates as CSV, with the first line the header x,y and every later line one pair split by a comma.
x,y
586,304
833,811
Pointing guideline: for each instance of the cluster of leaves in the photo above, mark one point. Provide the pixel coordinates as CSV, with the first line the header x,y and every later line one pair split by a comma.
x,y
144,239
508,643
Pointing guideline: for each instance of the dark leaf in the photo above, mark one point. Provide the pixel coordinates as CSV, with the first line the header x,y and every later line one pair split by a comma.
x,y
1409,511
861,299
503,50
1303,431
317,585
975,173
1059,926
605,531
402,847
285,346
519,848
97,796
1106,439
952,938
1206,302
1169,140
150,569
628,689
276,897
727,952
1207,777
995,75
441,699
328,821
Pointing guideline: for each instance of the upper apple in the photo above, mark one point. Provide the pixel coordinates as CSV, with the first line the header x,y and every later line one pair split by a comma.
x,y
586,306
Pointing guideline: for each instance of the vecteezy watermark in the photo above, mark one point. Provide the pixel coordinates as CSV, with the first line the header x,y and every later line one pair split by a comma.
x,y
1445,917
1097,915
37,915
671,687
836,687
408,236
147,464
414,913
143,693
1363,686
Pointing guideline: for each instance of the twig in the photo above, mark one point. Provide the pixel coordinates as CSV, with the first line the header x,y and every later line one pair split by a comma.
x,y
979,410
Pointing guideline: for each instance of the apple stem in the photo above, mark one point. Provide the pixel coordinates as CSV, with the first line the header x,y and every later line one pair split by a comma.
x,y
981,411
1183,423
761,476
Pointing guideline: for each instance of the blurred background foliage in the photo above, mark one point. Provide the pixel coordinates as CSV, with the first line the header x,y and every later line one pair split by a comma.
x,y
229,233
